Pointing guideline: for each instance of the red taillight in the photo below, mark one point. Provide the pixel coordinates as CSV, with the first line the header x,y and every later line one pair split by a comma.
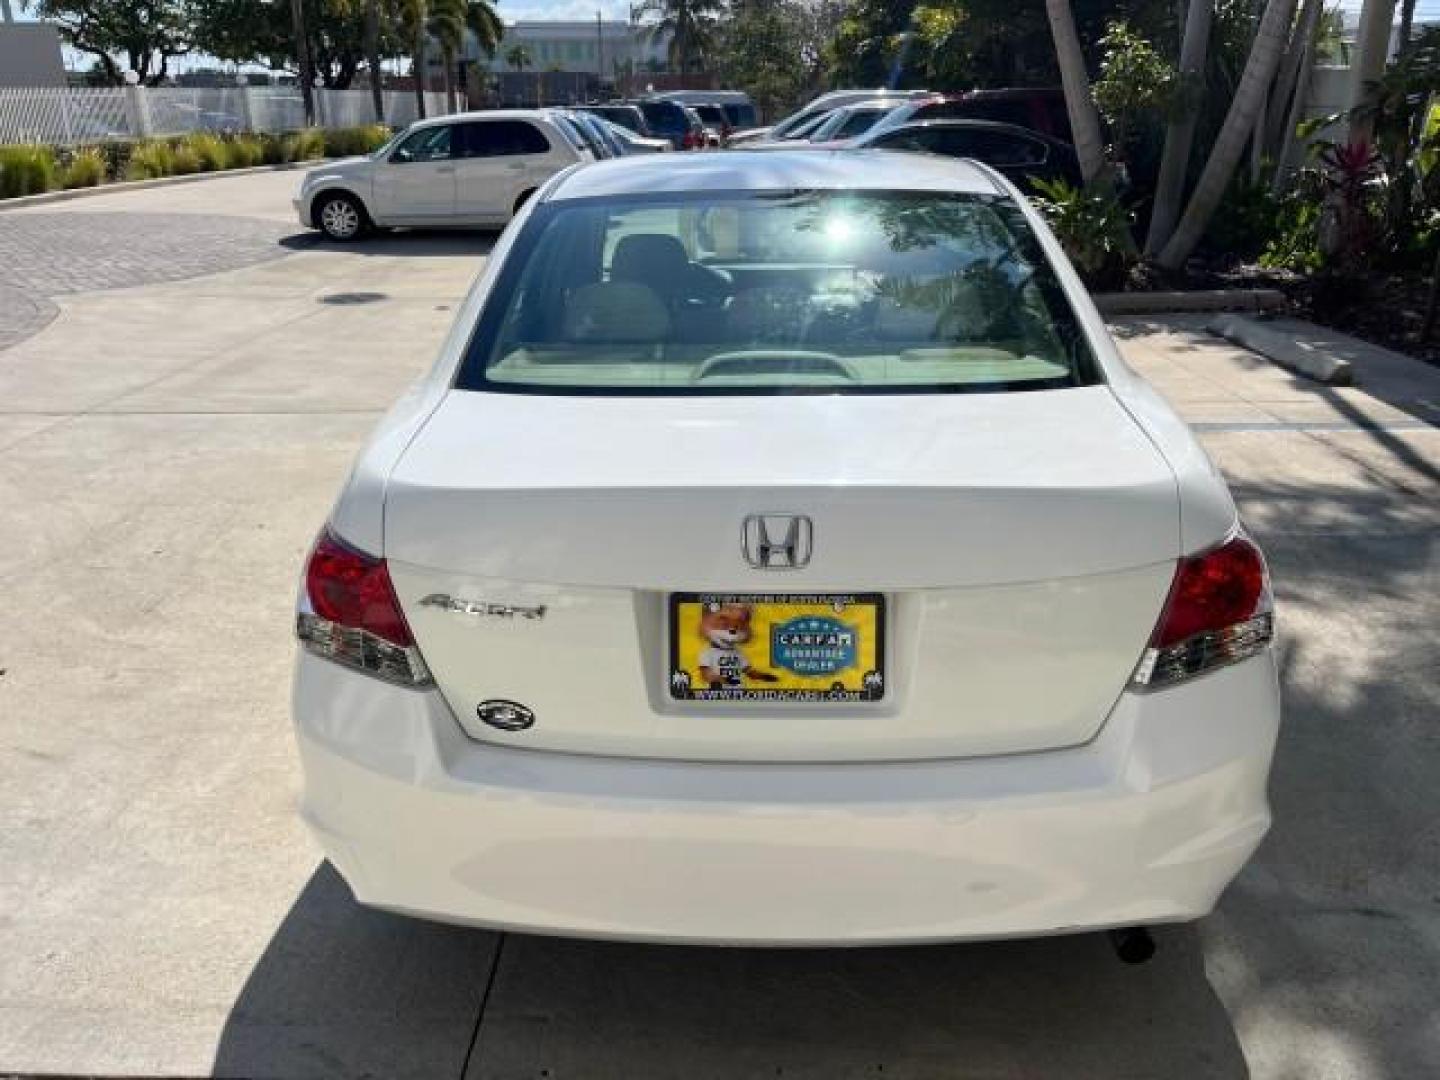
x,y
349,613
353,589
1212,591
1218,611
690,141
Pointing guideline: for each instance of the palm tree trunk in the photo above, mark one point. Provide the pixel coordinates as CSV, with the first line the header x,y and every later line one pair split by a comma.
x,y
1180,132
1240,120
372,57
447,58
418,63
1372,47
1084,120
1288,142
1407,24
1276,133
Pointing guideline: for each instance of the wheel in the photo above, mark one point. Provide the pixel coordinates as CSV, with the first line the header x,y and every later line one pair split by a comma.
x,y
340,217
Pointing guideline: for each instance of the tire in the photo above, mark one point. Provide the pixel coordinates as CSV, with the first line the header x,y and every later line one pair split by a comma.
x,y
341,217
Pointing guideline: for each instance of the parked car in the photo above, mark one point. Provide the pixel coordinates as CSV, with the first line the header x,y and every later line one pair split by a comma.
x,y
608,145
627,116
780,552
717,124
1039,109
738,108
1021,154
850,121
472,169
825,103
578,124
677,123
635,144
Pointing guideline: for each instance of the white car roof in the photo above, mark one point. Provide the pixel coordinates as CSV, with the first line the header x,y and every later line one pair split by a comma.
x,y
487,114
775,170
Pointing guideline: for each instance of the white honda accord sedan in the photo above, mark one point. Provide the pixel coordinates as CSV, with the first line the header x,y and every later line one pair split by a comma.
x,y
780,552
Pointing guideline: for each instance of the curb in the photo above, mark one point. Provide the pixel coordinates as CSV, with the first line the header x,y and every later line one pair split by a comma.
x,y
1284,350
1146,303
121,186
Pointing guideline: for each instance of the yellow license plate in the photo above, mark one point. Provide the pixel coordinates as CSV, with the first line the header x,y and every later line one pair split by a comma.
x,y
773,647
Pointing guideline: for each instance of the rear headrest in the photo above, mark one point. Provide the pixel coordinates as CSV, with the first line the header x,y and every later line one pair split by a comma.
x,y
652,258
615,312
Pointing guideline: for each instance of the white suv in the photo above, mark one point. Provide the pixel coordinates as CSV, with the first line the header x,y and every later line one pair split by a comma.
x,y
472,169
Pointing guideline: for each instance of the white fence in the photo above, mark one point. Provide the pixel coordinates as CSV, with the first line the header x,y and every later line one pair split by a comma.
x,y
66,116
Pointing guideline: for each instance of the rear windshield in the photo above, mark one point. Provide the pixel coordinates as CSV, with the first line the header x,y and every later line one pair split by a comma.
x,y
784,292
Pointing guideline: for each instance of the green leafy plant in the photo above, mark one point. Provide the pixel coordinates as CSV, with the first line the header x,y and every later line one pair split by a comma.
x,y
209,150
1093,226
273,149
150,160
87,168
1137,85
26,170
1295,244
309,144
184,161
348,142
244,152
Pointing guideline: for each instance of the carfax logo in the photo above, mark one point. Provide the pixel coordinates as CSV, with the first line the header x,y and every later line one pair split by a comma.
x,y
813,645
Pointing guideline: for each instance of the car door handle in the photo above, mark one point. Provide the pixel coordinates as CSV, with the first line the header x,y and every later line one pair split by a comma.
x,y
516,166
445,169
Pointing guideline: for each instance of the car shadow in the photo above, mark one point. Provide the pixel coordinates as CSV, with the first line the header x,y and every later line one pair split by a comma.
x,y
343,991
418,243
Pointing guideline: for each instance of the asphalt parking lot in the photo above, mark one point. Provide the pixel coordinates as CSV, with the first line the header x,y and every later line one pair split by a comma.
x,y
171,434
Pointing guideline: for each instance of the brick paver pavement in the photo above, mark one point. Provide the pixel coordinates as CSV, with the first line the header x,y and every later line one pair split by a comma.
x,y
50,254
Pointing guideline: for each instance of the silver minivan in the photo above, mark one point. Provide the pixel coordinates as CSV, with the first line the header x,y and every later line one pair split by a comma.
x,y
466,169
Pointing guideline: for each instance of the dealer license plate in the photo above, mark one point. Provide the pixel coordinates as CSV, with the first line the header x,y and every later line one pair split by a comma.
x,y
777,647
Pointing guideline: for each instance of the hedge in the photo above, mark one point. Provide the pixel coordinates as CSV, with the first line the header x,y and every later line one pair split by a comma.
x,y
30,170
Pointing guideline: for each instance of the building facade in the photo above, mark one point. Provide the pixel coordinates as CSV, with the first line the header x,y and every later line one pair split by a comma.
x,y
603,48
30,55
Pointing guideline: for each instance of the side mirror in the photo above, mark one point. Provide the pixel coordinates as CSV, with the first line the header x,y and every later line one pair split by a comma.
x,y
401,155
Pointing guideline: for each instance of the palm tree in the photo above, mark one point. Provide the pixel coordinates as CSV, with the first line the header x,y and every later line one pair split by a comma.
x,y
485,24
445,22
518,57
372,57
1079,104
690,24
1240,120
1180,132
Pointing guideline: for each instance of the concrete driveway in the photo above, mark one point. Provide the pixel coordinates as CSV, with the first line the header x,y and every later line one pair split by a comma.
x,y
168,450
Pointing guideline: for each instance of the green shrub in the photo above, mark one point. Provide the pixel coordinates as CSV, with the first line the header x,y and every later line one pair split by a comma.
x,y
244,151
350,141
26,170
150,160
1093,227
209,150
185,161
86,169
272,150
309,144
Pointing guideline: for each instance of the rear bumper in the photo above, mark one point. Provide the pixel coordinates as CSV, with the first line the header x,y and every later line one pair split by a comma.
x,y
302,212
1147,823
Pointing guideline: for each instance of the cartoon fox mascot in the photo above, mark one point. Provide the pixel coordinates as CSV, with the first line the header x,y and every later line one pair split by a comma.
x,y
723,665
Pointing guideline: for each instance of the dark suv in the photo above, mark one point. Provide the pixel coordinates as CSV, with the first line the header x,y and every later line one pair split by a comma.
x,y
677,123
